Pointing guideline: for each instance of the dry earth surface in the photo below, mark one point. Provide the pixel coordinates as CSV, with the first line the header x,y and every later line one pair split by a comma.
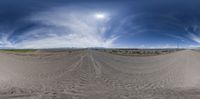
x,y
91,74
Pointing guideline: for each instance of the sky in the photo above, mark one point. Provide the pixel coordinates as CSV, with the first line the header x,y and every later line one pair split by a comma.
x,y
99,23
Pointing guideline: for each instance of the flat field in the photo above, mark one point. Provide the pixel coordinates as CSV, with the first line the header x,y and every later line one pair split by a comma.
x,y
96,74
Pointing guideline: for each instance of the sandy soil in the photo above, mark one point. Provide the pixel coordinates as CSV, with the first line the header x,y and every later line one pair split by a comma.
x,y
98,75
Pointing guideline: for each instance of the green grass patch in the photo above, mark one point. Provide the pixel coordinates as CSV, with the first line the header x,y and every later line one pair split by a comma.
x,y
17,50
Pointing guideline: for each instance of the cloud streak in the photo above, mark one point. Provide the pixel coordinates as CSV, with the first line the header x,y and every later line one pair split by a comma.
x,y
65,27
194,32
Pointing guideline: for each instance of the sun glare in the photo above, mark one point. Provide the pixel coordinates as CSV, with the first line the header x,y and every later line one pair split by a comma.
x,y
100,16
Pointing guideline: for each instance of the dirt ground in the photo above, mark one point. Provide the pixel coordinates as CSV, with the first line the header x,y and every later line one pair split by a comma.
x,y
91,74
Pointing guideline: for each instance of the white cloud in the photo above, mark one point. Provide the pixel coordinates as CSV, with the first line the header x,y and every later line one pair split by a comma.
x,y
67,27
194,37
4,42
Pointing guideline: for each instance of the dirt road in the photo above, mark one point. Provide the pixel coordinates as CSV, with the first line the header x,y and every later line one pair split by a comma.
x,y
97,75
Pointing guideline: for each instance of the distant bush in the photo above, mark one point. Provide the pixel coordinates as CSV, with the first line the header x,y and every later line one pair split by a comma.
x,y
142,52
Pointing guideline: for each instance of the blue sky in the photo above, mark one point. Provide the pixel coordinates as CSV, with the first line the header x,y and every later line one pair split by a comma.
x,y
99,23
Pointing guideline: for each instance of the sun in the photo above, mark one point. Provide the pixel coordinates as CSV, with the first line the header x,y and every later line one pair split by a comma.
x,y
100,16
